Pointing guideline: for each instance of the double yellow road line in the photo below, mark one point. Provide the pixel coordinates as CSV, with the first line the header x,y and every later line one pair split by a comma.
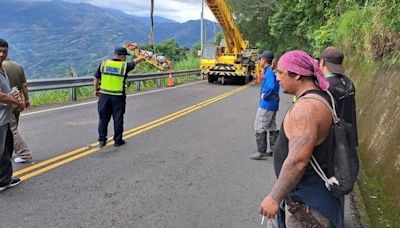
x,y
42,167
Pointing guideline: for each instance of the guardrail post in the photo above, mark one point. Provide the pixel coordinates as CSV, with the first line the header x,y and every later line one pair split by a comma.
x,y
158,82
73,94
138,85
186,78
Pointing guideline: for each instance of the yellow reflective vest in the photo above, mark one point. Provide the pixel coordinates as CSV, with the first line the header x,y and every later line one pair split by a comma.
x,y
113,77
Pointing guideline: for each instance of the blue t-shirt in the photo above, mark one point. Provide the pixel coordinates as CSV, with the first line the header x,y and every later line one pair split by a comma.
x,y
269,99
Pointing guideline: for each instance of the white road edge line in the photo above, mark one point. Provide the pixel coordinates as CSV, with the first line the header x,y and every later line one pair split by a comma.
x,y
92,102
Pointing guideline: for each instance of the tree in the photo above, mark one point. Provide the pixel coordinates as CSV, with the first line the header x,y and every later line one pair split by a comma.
x,y
281,25
251,16
168,48
195,50
218,38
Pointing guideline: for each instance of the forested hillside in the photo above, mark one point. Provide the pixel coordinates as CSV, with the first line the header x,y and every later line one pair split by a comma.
x,y
50,37
366,28
368,33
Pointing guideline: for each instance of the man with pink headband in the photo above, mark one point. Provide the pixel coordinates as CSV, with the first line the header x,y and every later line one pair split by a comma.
x,y
305,131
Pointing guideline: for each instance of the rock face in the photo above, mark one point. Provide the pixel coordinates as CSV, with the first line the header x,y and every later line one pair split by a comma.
x,y
378,107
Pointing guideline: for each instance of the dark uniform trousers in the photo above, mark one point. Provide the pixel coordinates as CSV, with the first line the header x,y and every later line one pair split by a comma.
x,y
111,105
6,150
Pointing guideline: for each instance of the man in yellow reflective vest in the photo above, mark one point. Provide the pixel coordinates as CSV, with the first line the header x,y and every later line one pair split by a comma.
x,y
109,84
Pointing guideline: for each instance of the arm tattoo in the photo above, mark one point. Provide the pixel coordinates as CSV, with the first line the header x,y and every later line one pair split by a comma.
x,y
300,118
299,124
290,174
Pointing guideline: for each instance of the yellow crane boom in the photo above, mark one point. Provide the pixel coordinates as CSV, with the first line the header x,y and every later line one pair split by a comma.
x,y
159,62
234,40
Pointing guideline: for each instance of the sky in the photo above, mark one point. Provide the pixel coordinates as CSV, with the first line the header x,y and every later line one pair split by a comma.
x,y
177,10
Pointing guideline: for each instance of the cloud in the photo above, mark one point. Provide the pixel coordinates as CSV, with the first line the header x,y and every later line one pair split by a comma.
x,y
178,10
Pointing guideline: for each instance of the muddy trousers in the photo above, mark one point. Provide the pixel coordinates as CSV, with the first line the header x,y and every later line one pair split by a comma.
x,y
265,124
20,147
6,149
262,142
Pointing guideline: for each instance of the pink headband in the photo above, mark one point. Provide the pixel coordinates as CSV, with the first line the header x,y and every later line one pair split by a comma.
x,y
301,63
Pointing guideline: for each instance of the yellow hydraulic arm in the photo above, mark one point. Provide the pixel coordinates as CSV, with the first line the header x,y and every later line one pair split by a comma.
x,y
234,41
159,62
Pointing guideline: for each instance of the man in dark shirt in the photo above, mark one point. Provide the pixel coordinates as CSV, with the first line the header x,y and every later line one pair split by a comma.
x,y
109,84
341,87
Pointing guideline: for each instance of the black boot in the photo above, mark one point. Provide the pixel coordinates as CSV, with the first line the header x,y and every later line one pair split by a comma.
x,y
273,136
261,139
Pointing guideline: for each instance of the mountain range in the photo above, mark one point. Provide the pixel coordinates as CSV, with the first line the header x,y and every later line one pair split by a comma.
x,y
50,37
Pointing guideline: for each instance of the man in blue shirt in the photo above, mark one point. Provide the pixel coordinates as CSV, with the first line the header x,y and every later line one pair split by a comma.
x,y
265,122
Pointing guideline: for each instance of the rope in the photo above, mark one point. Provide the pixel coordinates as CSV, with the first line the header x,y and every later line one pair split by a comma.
x,y
328,181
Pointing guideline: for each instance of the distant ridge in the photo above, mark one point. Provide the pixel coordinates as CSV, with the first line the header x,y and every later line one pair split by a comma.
x,y
49,37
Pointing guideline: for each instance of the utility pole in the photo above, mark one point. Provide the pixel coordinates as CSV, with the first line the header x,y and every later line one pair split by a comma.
x,y
201,28
215,32
151,35
205,32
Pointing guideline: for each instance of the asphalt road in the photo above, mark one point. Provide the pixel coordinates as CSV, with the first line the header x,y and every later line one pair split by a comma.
x,y
192,171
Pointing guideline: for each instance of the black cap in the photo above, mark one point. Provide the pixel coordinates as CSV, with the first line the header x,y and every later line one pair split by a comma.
x,y
333,59
120,51
268,55
3,43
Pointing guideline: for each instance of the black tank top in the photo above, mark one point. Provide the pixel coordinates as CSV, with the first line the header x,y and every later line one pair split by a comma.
x,y
321,152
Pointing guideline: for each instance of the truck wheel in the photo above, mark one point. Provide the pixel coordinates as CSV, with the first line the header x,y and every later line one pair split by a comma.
x,y
210,78
246,79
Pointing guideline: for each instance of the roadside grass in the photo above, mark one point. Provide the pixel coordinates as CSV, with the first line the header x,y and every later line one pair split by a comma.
x,y
374,199
64,95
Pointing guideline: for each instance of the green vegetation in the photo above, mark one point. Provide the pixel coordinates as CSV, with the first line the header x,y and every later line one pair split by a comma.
x,y
169,48
369,29
191,62
49,97
185,59
218,38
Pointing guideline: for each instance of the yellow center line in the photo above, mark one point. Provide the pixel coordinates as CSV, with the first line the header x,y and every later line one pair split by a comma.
x,y
92,148
194,108
58,164
49,161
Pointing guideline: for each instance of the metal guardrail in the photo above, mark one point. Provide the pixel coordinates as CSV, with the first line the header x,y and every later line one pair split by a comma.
x,y
75,82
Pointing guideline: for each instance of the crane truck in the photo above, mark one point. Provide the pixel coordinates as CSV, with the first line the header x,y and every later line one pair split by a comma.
x,y
232,58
